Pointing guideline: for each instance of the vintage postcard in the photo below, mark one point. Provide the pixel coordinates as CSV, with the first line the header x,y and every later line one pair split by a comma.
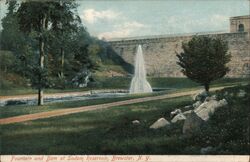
x,y
124,80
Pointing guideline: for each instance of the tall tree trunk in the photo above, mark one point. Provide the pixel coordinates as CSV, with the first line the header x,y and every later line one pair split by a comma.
x,y
41,61
62,61
206,87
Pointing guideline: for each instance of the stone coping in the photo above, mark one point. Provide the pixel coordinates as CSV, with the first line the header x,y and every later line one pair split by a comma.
x,y
174,36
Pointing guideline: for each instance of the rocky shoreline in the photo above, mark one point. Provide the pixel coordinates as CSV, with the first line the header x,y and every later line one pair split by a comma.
x,y
61,97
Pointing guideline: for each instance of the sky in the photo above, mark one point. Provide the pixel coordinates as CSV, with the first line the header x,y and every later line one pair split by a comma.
x,y
130,18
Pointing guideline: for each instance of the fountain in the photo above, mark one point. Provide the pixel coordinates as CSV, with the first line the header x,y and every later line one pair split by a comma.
x,y
139,83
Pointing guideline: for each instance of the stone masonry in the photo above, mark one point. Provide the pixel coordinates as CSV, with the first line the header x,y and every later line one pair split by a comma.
x,y
240,23
160,52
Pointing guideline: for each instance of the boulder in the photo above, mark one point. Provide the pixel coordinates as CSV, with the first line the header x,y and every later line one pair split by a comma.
x,y
175,112
178,117
197,104
136,122
223,102
187,112
208,108
214,97
192,123
188,107
162,122
200,96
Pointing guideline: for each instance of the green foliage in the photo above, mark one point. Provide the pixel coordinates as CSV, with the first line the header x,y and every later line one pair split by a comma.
x,y
56,25
227,131
13,40
9,81
204,59
39,77
68,48
7,60
11,37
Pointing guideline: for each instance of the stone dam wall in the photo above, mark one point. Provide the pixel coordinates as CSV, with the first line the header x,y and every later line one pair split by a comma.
x,y
160,53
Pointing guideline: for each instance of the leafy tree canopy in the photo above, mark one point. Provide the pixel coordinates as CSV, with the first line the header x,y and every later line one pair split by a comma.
x,y
204,59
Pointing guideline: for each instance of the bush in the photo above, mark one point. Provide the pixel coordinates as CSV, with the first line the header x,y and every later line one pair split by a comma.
x,y
12,80
7,61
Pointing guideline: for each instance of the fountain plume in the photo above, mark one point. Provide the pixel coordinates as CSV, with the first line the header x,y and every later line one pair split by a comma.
x,y
139,83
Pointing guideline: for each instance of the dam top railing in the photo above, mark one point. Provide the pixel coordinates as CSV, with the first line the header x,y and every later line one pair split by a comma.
x,y
170,36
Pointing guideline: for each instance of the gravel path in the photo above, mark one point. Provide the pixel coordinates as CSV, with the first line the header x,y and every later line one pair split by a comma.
x,y
60,112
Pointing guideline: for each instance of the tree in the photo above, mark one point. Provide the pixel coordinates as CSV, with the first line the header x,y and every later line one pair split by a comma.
x,y
12,39
64,25
81,52
59,36
7,61
204,59
70,46
35,19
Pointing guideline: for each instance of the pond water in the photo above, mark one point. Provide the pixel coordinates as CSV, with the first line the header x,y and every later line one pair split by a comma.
x,y
93,95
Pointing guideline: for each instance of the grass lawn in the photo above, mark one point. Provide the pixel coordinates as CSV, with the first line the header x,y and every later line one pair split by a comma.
x,y
110,131
176,83
85,133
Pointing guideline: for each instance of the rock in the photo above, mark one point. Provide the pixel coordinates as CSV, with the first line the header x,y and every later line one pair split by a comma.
x,y
192,123
200,96
188,107
208,108
136,122
175,112
214,97
241,93
225,93
197,104
187,112
206,150
162,122
178,118
82,78
207,99
223,102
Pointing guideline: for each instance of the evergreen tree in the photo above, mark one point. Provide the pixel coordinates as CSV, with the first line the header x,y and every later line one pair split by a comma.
x,y
204,59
